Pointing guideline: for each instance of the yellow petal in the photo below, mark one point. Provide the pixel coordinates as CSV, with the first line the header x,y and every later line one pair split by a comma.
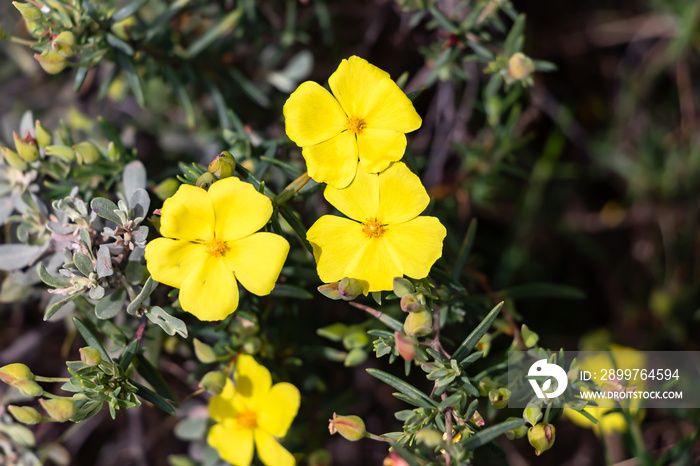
x,y
415,245
170,261
239,208
253,381
312,115
279,409
358,201
270,451
374,264
377,148
221,405
244,258
188,215
401,195
210,292
336,242
333,161
234,444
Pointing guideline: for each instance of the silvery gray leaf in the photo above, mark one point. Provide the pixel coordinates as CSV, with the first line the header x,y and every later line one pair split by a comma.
x,y
17,256
84,263
96,293
106,209
103,263
139,203
110,305
134,178
168,323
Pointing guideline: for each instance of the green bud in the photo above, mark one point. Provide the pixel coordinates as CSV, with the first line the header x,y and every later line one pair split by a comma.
x,y
529,337
499,398
59,409
167,188
412,303
206,180
418,324
13,159
350,427
520,66
355,338
29,11
25,414
405,345
541,437
113,152
334,332
26,148
204,352
486,385
213,382
223,165
477,419
431,438
51,61
251,344
64,153
87,153
402,287
518,432
65,44
330,290
43,135
28,387
532,413
11,373
355,357
90,355
351,288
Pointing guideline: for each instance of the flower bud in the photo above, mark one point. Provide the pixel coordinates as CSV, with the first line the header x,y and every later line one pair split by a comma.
x,y
402,287
405,345
418,324
204,352
530,338
486,385
25,414
330,290
43,135
223,165
532,413
206,180
213,382
90,355
13,159
58,409
14,372
355,357
518,432
26,148
350,427
28,387
167,188
541,437
29,11
431,438
499,398
520,66
411,303
251,344
64,153
65,44
51,61
351,288
477,419
86,152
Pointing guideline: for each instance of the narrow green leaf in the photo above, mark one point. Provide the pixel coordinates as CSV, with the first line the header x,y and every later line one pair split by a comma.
x,y
419,402
151,375
451,400
226,25
541,290
464,251
161,21
127,10
283,290
55,282
407,456
119,44
515,32
83,262
296,224
400,385
51,310
146,291
470,342
111,133
90,338
414,95
128,354
80,75
132,77
589,416
182,95
485,436
443,21
150,396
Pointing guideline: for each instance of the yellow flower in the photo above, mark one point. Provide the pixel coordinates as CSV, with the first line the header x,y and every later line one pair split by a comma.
x,y
253,410
210,243
622,358
384,237
365,117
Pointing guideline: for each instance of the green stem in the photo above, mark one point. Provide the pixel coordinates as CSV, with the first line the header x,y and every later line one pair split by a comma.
x,y
20,41
56,397
377,437
38,378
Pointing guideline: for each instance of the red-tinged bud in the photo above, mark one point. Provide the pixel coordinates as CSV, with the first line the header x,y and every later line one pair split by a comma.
x,y
28,387
406,345
27,147
12,373
25,414
520,66
412,303
350,427
499,398
541,437
90,355
205,180
223,165
51,61
59,409
477,419
351,288
418,324
518,432
402,287
65,44
330,290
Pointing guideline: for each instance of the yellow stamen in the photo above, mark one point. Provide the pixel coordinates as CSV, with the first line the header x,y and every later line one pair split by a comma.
x,y
247,419
216,248
355,125
373,228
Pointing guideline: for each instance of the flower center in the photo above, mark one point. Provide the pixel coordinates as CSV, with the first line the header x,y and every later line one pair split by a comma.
x,y
216,248
355,125
373,228
247,419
